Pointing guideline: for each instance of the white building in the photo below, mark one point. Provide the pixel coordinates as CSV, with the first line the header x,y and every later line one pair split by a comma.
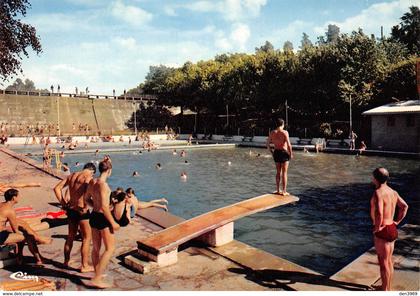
x,y
396,126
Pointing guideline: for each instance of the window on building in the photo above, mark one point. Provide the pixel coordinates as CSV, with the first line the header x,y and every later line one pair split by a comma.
x,y
391,120
411,120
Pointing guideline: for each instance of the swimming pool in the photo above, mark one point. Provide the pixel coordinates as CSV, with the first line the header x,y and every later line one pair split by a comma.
x,y
324,231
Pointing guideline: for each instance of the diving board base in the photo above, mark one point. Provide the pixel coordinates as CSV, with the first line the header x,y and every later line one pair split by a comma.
x,y
219,236
162,259
140,264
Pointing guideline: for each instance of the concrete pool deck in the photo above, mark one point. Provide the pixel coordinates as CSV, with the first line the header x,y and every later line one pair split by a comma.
x,y
235,266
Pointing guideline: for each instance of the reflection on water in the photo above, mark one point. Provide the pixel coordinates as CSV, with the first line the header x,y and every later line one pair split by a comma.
x,y
324,231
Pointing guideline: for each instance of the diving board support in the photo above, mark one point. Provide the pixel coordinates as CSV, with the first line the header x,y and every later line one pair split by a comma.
x,y
215,228
163,259
219,236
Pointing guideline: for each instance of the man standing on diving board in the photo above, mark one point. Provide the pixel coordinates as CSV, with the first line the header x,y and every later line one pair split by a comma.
x,y
282,153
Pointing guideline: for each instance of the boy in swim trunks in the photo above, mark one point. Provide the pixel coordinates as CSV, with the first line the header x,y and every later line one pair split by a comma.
x,y
382,210
77,212
282,153
102,222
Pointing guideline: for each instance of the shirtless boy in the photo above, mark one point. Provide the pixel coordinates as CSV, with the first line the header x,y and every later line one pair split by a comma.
x,y
8,214
282,153
77,212
102,222
382,210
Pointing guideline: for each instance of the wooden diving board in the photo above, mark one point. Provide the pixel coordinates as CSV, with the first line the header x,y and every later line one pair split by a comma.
x,y
215,228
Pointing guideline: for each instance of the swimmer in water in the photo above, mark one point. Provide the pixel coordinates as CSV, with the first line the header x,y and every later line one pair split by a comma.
x,y
96,152
158,166
183,154
77,164
184,176
135,174
174,152
186,161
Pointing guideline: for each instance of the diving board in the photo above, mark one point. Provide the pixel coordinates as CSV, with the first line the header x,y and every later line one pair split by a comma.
x,y
214,228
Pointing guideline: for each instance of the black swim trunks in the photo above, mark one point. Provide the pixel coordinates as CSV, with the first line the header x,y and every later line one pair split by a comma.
x,y
97,220
280,156
3,236
76,215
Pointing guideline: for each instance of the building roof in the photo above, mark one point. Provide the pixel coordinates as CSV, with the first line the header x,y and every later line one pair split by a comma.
x,y
404,107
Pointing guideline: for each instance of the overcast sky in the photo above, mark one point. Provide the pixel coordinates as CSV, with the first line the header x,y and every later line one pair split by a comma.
x,y
110,44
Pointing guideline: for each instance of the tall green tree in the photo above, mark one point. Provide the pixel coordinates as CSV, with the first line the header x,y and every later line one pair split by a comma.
x,y
15,36
332,33
306,42
27,85
267,47
408,31
288,46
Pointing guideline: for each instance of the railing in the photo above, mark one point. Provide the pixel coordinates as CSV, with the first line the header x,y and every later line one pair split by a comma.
x,y
84,96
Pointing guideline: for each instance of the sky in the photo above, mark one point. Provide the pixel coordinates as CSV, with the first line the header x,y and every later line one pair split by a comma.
x,y
110,44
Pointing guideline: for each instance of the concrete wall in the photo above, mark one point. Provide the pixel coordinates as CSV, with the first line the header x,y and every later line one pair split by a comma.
x,y
399,137
110,114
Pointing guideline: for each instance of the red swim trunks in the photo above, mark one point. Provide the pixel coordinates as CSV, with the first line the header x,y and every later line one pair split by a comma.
x,y
388,233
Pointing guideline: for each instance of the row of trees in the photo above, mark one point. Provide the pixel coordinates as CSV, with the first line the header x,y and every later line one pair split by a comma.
x,y
27,85
317,82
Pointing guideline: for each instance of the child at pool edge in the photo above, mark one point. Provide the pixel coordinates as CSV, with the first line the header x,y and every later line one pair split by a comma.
x,y
137,204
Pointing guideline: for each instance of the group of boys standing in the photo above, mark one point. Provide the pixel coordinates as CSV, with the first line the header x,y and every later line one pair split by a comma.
x,y
96,227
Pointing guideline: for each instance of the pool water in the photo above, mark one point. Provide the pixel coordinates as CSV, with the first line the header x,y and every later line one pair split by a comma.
x,y
327,229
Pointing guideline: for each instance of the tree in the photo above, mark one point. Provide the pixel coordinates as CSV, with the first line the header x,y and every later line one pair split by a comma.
x,y
27,85
399,83
267,47
288,46
408,31
306,42
15,37
155,79
332,33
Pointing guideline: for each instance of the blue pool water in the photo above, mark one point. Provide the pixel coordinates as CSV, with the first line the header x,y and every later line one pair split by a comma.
x,y
324,231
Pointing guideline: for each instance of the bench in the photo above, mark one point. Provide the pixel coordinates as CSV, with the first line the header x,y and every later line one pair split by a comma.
x,y
334,143
247,139
237,138
214,228
217,137
294,140
227,138
259,139
346,142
